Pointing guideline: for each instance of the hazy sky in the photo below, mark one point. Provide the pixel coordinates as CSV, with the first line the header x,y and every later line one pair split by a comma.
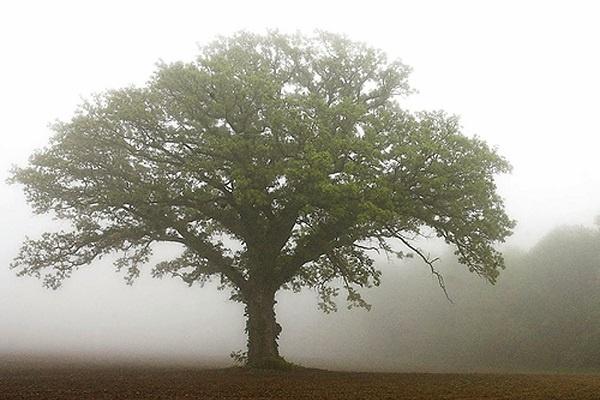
x,y
523,75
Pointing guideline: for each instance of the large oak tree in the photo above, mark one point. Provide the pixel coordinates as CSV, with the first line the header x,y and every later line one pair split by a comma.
x,y
276,162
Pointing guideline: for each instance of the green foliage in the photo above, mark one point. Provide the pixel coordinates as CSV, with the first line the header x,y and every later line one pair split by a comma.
x,y
296,148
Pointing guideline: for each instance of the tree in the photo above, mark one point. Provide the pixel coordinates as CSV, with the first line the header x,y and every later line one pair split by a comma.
x,y
276,162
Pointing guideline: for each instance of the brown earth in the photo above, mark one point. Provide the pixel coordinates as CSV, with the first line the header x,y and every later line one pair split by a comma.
x,y
104,382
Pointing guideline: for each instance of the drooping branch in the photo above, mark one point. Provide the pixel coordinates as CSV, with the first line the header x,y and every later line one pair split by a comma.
x,y
427,260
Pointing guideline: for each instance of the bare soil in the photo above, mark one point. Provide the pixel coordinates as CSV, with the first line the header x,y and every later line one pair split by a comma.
x,y
113,382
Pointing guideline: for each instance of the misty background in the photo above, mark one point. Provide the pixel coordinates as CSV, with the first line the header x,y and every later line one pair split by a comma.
x,y
522,76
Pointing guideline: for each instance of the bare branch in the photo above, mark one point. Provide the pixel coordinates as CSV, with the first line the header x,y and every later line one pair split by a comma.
x,y
427,260
377,249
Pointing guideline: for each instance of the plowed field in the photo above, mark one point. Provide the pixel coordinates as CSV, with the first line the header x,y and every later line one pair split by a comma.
x,y
181,383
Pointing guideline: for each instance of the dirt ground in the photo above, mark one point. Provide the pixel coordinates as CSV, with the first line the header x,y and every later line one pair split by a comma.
x,y
72,382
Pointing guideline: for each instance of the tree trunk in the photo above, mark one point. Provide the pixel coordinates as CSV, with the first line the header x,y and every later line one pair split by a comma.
x,y
263,331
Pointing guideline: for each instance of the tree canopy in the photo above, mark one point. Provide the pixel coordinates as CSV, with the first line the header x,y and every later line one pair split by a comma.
x,y
275,161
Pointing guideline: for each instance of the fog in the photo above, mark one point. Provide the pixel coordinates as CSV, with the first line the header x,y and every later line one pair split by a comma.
x,y
522,76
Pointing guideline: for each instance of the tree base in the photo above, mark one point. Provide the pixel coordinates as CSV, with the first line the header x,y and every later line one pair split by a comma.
x,y
272,363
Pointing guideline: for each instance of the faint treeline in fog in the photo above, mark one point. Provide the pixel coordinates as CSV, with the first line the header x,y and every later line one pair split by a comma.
x,y
542,315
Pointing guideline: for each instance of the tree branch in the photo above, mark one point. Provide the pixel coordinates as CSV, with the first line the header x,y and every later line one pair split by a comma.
x,y
425,259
